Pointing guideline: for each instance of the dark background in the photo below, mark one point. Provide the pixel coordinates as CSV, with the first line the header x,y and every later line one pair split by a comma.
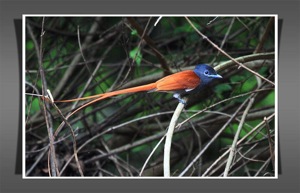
x,y
288,93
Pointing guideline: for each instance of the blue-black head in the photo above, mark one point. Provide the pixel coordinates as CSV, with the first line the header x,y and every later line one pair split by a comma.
x,y
206,74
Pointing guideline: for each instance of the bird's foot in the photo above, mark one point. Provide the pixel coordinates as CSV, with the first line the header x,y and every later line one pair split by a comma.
x,y
181,100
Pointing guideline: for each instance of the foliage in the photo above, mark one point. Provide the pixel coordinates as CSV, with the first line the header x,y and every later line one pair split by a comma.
x,y
114,137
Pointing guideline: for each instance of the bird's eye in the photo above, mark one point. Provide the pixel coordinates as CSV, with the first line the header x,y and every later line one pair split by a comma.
x,y
206,72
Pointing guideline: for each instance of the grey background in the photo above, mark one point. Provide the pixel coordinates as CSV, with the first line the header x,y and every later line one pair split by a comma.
x,y
289,80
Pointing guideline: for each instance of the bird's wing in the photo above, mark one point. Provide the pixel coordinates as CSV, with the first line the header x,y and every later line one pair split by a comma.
x,y
178,81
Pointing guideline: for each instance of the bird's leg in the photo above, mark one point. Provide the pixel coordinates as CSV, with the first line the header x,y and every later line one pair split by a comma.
x,y
178,97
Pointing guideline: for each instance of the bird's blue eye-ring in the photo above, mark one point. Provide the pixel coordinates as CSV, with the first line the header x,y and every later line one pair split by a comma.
x,y
206,72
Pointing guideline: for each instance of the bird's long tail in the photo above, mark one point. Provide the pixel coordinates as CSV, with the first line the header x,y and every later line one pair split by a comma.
x,y
147,87
142,88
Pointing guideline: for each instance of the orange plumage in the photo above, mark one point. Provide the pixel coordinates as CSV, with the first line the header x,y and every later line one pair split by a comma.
x,y
179,81
174,82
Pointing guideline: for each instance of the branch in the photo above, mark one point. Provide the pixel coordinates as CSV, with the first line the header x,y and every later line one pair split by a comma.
x,y
234,143
169,135
48,119
224,53
150,42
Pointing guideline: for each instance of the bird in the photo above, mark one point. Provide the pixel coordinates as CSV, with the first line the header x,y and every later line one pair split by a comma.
x,y
180,84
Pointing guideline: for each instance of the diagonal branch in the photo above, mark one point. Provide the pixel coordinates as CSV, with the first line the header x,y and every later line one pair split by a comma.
x,y
150,42
234,143
224,53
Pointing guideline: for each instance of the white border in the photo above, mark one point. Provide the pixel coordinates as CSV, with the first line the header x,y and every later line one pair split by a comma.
x,y
148,15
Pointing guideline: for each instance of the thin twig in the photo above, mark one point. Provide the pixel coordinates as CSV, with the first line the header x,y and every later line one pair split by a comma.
x,y
234,143
270,142
80,47
150,155
41,155
73,138
253,157
225,37
211,21
213,139
263,166
159,18
265,35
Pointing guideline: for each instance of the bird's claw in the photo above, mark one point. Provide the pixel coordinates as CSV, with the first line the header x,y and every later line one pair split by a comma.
x,y
181,100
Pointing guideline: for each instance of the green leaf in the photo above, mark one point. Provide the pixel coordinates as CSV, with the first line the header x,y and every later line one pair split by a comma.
x,y
29,45
139,148
186,28
236,78
35,106
222,88
134,32
136,55
268,100
249,84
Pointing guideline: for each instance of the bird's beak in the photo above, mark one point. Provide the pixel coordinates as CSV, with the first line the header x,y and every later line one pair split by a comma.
x,y
216,76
